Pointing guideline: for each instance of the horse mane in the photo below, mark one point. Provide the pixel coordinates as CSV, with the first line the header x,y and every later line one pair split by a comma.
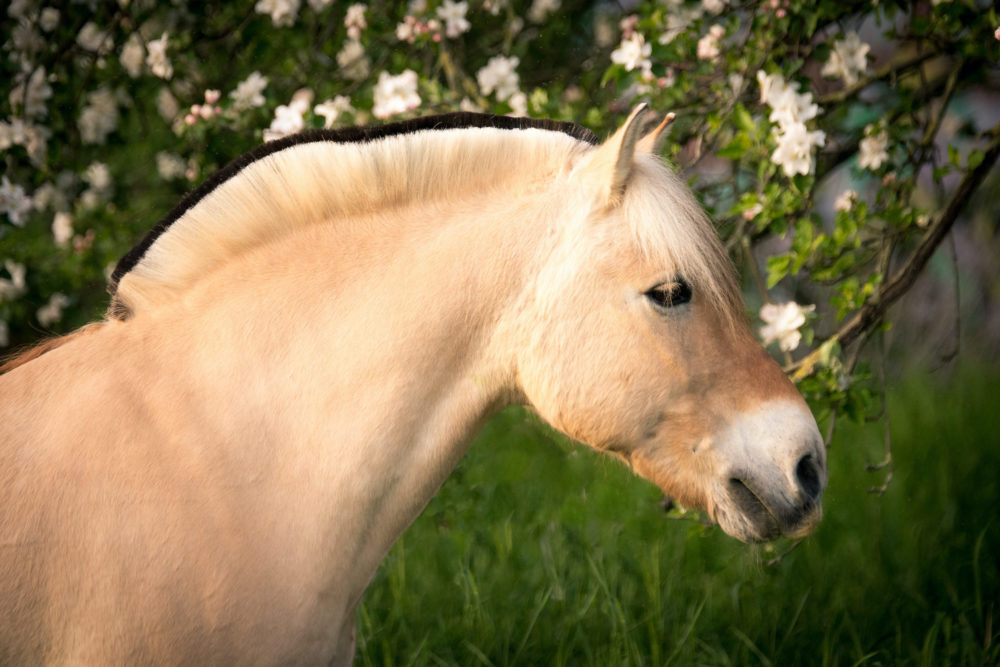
x,y
319,174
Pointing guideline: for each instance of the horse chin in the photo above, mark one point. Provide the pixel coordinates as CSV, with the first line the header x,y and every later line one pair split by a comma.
x,y
742,514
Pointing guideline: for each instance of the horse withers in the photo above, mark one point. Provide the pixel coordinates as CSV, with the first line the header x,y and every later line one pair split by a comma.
x,y
296,357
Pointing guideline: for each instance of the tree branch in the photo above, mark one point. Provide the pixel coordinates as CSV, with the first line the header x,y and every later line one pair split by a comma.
x,y
873,311
884,72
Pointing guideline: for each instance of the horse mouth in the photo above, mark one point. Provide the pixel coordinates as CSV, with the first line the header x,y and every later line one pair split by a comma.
x,y
751,519
757,522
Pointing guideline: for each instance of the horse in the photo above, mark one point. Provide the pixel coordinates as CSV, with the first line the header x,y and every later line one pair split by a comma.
x,y
296,357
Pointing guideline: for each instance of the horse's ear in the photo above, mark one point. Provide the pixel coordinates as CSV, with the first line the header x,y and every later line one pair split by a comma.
x,y
611,163
652,143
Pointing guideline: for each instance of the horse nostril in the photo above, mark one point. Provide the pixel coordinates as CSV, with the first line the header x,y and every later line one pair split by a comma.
x,y
807,473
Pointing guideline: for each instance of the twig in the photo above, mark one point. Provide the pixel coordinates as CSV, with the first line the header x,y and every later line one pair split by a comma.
x,y
885,72
871,313
777,559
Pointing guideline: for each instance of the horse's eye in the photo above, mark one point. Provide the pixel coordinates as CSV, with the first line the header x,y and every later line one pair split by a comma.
x,y
673,293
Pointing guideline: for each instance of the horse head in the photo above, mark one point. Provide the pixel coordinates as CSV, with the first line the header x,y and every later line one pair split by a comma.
x,y
635,342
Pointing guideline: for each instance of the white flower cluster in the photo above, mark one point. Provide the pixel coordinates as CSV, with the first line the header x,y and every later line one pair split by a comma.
x,y
499,77
156,57
14,202
874,148
100,117
453,15
52,311
283,13
790,110
248,92
540,9
29,93
708,45
633,53
848,59
288,118
354,20
782,322
353,61
395,94
14,286
331,109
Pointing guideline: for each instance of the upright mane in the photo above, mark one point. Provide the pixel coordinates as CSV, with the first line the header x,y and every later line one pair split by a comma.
x,y
324,174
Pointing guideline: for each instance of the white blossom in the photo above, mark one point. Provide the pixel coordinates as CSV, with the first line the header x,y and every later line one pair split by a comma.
x,y
48,20
848,59
11,134
170,166
772,86
353,61
52,311
98,175
283,12
790,110
100,117
789,107
873,148
395,94
453,15
18,9
518,104
794,151
632,53
92,38
157,58
782,323
133,55
14,202
499,76
540,9
495,6
25,40
331,109
708,45
468,105
678,20
846,200
167,106
248,92
13,287
713,6
32,96
355,21
288,119
62,228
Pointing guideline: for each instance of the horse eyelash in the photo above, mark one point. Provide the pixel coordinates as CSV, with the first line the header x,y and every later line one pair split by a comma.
x,y
667,295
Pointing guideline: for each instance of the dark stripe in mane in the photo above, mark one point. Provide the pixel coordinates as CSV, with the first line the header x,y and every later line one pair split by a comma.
x,y
362,134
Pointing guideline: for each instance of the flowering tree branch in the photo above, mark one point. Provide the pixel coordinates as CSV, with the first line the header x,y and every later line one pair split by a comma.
x,y
873,312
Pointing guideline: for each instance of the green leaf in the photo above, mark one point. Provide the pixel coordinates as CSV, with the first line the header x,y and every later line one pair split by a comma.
x,y
954,157
777,268
743,119
975,158
736,147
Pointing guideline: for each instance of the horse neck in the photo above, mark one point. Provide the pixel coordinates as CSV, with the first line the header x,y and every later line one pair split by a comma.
x,y
368,359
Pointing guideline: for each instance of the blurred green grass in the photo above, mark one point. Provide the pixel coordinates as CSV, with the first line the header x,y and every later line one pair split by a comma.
x,y
537,551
